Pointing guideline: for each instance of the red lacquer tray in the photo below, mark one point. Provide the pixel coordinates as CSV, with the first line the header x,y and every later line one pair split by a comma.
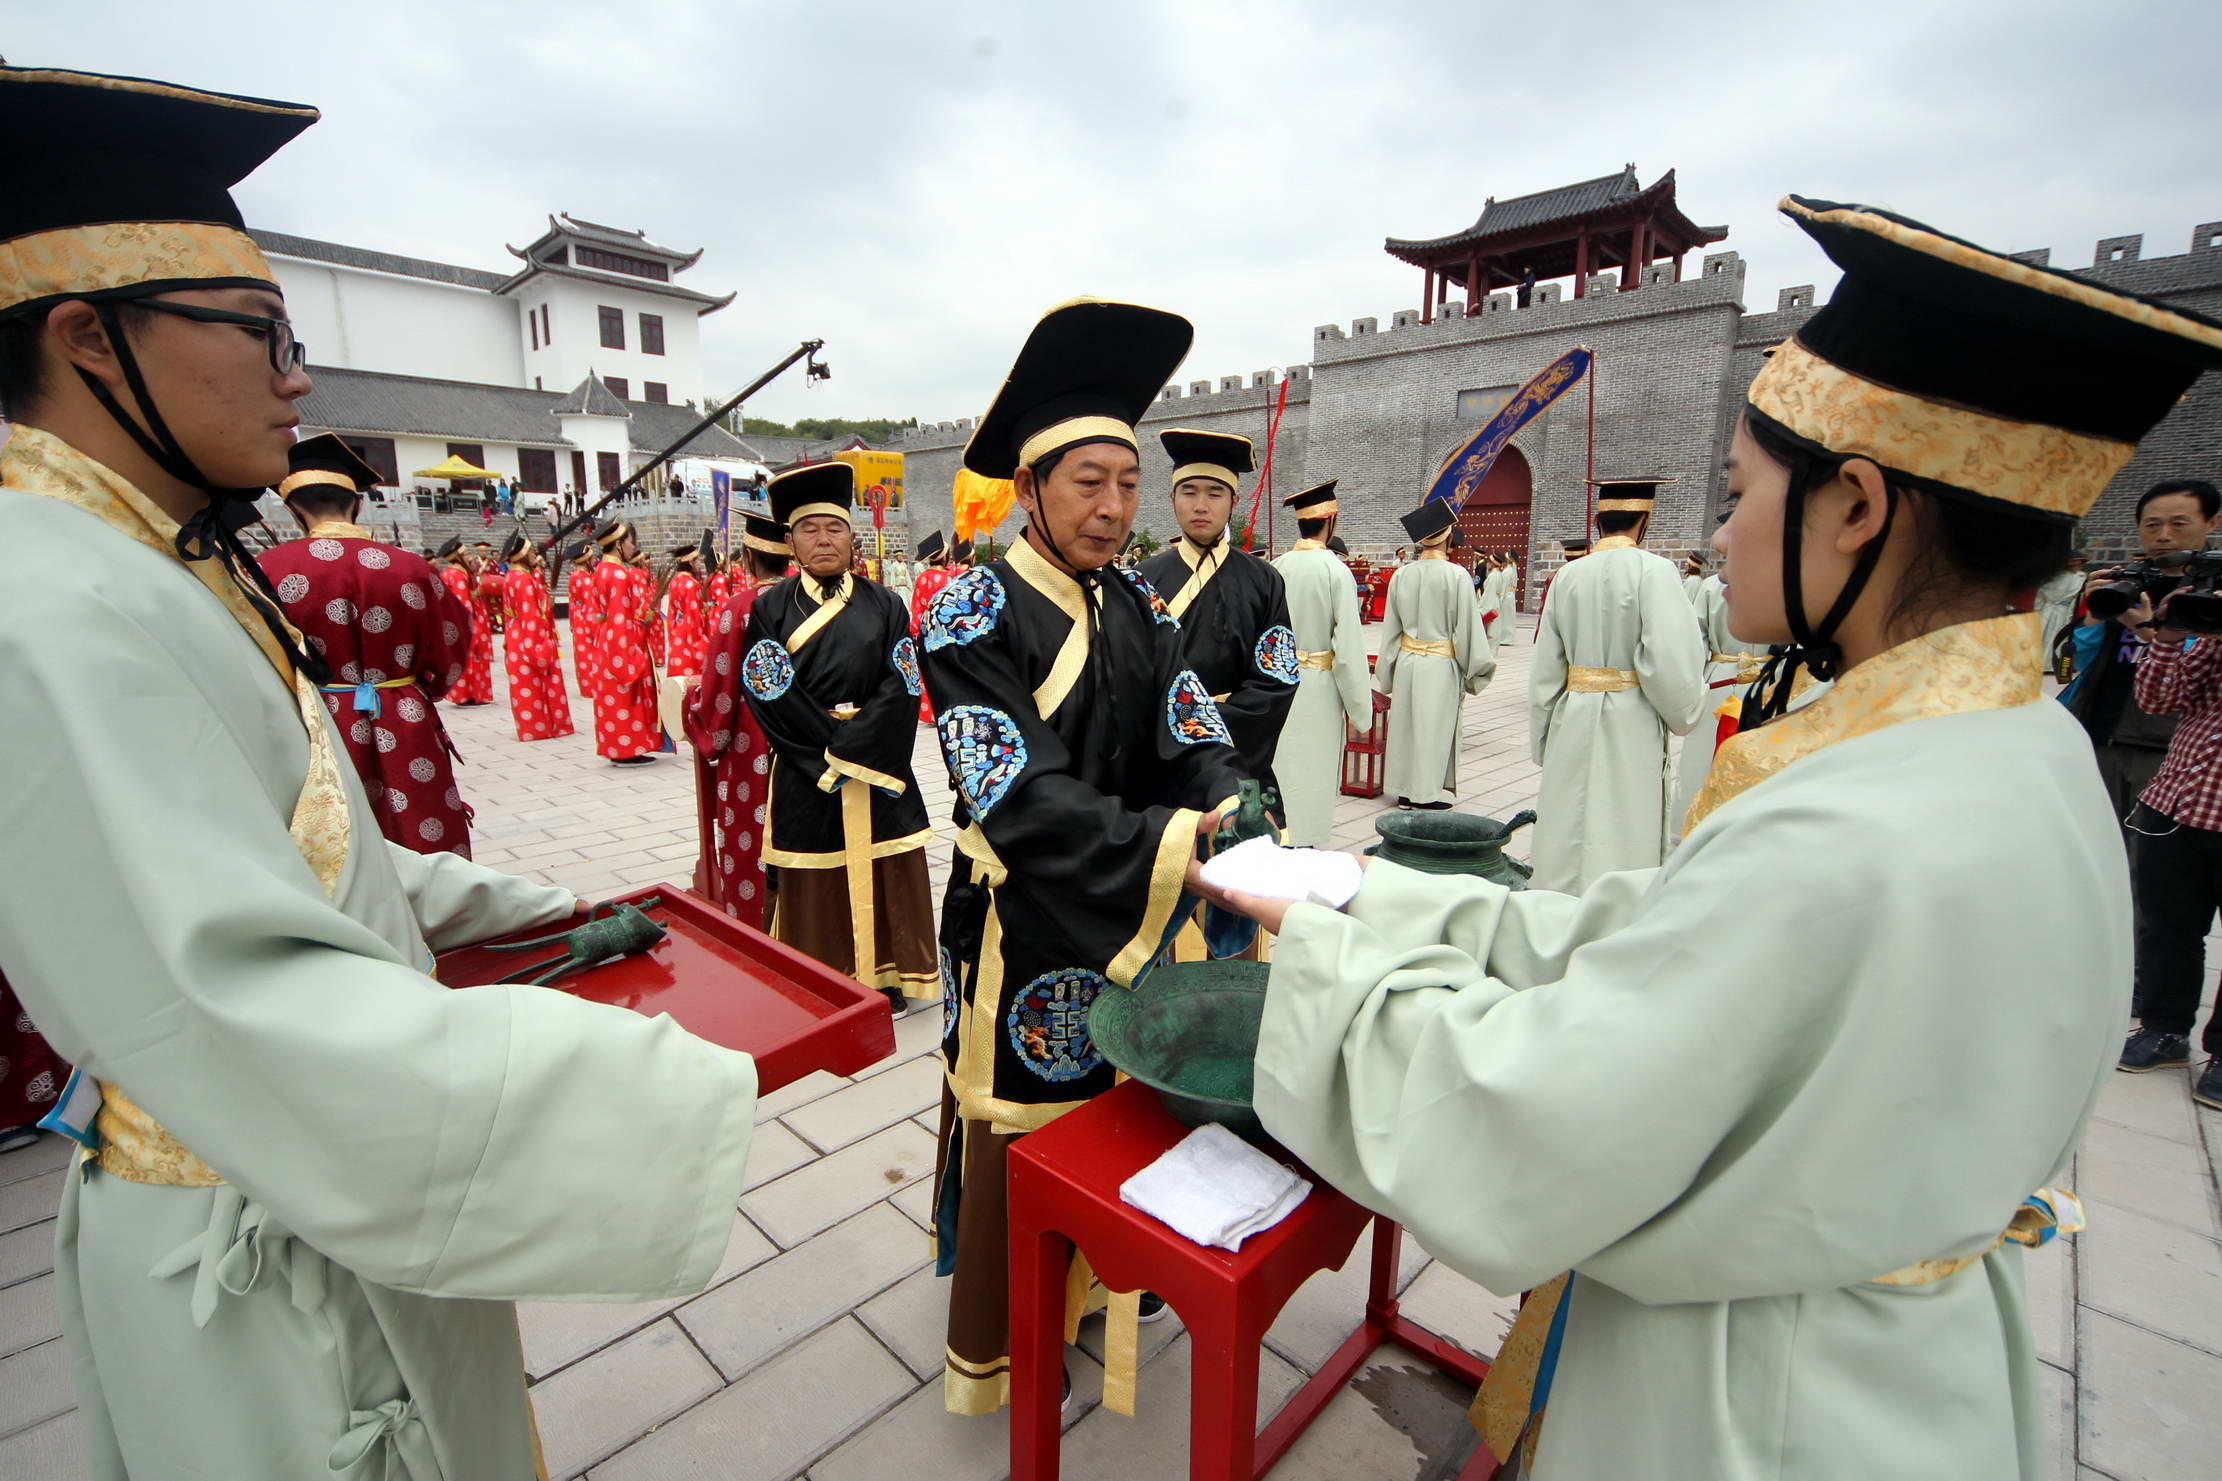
x,y
728,983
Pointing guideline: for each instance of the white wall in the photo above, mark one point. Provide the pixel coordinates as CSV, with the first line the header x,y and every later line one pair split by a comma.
x,y
360,320
575,323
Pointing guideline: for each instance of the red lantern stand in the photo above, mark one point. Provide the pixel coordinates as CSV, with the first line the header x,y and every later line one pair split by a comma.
x,y
1064,1190
1362,750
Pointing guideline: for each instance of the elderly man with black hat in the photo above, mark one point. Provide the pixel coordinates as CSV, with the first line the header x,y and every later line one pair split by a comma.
x,y
1332,686
391,632
1784,1107
538,702
830,671
1433,655
1619,667
1087,759
313,1179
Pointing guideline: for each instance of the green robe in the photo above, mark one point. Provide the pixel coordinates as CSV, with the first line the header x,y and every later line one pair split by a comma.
x,y
402,1161
1724,661
1861,1012
1307,762
1604,799
1429,601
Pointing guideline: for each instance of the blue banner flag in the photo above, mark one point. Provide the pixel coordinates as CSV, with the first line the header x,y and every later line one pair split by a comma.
x,y
1463,471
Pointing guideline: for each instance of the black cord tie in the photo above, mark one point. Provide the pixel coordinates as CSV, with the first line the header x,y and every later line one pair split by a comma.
x,y
1813,647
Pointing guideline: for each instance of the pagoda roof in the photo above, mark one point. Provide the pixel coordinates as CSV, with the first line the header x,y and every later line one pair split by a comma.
x,y
1548,216
563,226
592,397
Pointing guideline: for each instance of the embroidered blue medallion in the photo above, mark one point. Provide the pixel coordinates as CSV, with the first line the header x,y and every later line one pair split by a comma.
x,y
905,659
1141,583
966,609
1190,715
767,670
985,752
948,998
1048,1024
1276,654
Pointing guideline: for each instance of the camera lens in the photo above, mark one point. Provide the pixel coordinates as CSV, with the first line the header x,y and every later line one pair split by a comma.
x,y
2114,598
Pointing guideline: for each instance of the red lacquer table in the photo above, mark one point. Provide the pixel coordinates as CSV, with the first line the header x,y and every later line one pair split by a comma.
x,y
1064,1190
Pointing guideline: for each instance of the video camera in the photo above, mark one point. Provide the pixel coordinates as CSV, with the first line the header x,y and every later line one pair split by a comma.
x,y
2194,576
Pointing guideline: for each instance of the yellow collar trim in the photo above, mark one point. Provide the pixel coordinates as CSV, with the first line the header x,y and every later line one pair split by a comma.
x,y
1989,664
338,529
1035,570
1307,545
1615,542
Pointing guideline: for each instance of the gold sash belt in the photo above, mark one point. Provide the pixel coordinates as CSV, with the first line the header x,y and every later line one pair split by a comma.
x,y
1748,665
1439,649
1582,679
1324,659
135,1147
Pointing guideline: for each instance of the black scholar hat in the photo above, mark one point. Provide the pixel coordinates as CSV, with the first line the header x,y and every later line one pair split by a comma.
x,y
448,547
1221,455
1973,374
814,488
324,459
763,533
1627,495
120,187
961,552
1086,374
933,547
516,545
1429,523
1316,502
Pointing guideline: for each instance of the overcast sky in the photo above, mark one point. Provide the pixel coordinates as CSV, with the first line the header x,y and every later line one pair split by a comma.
x,y
915,183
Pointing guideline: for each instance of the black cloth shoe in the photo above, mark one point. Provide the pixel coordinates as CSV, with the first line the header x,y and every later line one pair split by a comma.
x,y
1064,1400
1151,1308
895,1000
632,760
2207,1089
2151,1049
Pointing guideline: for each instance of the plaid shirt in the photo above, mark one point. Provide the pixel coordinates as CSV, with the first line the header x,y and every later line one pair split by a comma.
x,y
2186,682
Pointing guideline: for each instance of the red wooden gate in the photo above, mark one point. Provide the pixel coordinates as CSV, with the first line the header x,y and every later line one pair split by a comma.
x,y
1495,518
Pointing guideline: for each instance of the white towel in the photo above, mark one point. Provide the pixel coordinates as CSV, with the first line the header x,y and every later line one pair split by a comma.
x,y
1260,866
1214,1188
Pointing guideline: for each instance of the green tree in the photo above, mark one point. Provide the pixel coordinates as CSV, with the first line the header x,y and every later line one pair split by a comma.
x,y
821,429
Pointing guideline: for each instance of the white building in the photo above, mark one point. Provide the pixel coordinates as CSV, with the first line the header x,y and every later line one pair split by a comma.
x,y
569,373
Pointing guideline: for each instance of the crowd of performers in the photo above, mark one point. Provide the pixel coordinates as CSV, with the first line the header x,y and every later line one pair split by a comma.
x,y
1756,1122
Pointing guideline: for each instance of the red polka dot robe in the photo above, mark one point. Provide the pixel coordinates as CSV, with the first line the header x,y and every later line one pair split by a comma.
x,y
477,685
379,615
923,590
687,622
538,702
625,722
732,762
583,597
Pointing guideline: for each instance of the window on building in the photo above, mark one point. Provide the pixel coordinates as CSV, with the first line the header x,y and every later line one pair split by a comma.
x,y
609,469
1480,406
656,391
536,470
619,386
618,262
651,334
613,328
532,323
379,453
578,473
536,384
547,335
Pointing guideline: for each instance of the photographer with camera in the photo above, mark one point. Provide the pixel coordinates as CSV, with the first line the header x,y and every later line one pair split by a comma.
x,y
2176,827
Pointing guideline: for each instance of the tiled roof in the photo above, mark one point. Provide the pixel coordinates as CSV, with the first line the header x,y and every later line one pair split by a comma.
x,y
467,411
310,248
1544,207
706,303
591,397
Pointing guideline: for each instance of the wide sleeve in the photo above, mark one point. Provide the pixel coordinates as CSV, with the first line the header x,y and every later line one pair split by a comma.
x,y
457,902
1546,681
2173,678
628,622
1353,684
173,941
447,640
875,745
1256,707
1477,657
710,726
1670,653
793,720
1108,871
1392,635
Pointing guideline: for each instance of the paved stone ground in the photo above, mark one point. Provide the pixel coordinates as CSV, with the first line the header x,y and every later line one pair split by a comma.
x,y
817,1351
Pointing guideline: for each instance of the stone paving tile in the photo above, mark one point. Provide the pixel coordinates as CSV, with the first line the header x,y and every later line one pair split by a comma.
x,y
774,1151
30,1200
2146,1406
1111,1447
52,1451
2048,1285
2155,1274
749,1319
27,1315
2162,1178
775,1422
921,1438
912,1318
42,1156
917,1201
916,1033
595,1408
796,1093
794,1207
1328,1307
1398,1418
855,1112
1460,1311
2157,1104
26,1252
560,1332
2057,1400
34,1386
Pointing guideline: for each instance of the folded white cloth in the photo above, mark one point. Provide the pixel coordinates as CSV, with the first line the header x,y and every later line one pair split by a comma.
x,y
1260,866
1214,1188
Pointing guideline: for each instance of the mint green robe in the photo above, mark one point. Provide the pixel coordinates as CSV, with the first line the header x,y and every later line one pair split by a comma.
x,y
1857,1016
1431,601
403,1161
1307,758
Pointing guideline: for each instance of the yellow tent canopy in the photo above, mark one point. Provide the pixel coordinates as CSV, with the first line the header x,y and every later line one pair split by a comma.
x,y
454,467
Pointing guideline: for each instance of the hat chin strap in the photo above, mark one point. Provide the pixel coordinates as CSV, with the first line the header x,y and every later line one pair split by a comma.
x,y
1812,647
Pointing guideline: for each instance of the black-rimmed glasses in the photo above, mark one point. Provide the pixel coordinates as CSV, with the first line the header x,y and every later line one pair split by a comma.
x,y
286,352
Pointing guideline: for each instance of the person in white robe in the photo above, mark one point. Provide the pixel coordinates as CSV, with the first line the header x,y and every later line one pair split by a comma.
x,y
315,1180
1619,667
1751,1101
1730,668
2056,601
1333,689
1433,655
1693,577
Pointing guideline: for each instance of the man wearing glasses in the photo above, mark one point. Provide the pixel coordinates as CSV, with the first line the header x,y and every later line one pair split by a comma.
x,y
313,1179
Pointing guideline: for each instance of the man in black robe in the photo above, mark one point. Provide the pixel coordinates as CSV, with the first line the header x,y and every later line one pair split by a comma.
x,y
831,674
1087,759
